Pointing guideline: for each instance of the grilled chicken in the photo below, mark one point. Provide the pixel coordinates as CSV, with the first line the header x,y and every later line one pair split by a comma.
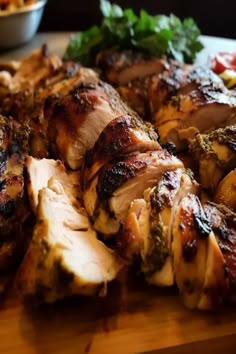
x,y
121,136
190,230
147,229
199,265
223,223
120,68
215,287
178,79
163,201
120,181
226,191
204,109
134,191
33,71
134,229
28,105
65,257
147,94
14,212
39,172
77,119
39,76
135,94
216,155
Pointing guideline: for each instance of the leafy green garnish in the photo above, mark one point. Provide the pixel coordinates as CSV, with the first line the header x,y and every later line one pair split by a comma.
x,y
122,29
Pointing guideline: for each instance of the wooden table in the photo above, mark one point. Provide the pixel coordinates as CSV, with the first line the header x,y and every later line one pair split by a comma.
x,y
135,318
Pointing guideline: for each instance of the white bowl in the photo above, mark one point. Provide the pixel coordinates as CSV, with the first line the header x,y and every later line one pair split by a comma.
x,y
19,26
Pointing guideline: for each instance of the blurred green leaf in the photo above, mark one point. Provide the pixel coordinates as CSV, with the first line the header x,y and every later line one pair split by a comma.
x,y
158,35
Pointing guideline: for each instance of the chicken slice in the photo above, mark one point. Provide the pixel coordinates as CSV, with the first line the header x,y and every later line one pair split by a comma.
x,y
162,201
133,231
119,182
226,191
190,235
135,94
76,120
39,172
201,110
147,94
146,233
223,223
65,257
120,68
14,210
178,79
32,71
215,287
121,136
27,105
216,155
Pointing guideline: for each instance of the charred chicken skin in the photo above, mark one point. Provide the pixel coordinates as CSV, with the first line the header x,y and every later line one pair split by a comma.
x,y
76,120
38,76
223,223
14,211
123,67
147,229
120,181
123,135
201,110
215,154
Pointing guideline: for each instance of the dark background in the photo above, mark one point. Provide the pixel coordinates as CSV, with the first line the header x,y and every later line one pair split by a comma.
x,y
214,17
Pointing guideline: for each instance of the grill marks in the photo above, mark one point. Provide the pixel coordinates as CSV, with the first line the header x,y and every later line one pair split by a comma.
x,y
76,120
114,175
179,99
123,135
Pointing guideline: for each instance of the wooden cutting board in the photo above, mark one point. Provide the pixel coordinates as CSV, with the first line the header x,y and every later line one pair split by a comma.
x,y
134,318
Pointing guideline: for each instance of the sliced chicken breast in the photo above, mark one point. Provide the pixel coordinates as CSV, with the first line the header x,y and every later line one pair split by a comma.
x,y
223,223
162,201
39,172
65,257
121,136
108,197
122,67
190,237
76,120
133,231
215,154
178,79
204,109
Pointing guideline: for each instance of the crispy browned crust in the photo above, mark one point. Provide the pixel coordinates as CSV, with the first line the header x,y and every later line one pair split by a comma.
x,y
121,136
122,67
223,223
14,210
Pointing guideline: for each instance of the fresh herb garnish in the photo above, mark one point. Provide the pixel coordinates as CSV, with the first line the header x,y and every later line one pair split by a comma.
x,y
158,35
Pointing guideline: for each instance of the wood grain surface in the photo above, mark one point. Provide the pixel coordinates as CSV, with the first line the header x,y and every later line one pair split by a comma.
x,y
134,318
